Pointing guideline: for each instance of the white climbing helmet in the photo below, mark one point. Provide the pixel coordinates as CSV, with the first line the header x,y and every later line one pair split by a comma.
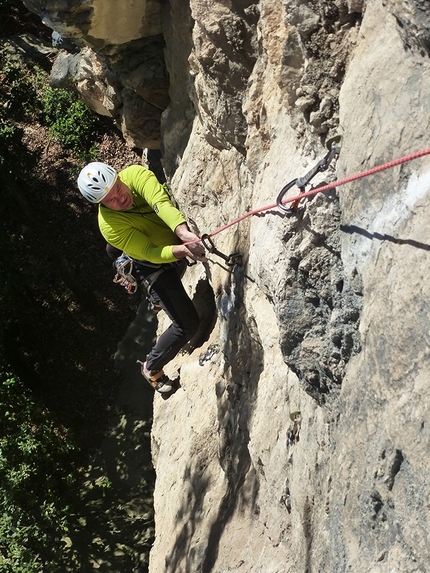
x,y
96,180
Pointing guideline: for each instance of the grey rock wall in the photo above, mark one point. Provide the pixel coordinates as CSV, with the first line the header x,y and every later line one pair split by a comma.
x,y
328,315
299,439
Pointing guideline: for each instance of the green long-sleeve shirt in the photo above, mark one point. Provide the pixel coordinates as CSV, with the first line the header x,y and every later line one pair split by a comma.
x,y
146,230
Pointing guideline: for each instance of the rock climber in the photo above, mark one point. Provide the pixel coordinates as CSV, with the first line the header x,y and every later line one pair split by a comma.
x,y
137,217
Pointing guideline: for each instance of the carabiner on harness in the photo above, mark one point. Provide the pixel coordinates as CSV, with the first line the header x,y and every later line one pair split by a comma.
x,y
334,145
230,260
124,273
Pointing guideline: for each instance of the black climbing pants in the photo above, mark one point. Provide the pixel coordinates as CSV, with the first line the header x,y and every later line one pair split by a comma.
x,y
168,291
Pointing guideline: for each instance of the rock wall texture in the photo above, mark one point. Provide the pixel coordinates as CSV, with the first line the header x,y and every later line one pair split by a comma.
x,y
299,439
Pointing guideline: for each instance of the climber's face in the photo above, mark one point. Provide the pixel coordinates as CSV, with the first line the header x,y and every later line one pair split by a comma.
x,y
119,197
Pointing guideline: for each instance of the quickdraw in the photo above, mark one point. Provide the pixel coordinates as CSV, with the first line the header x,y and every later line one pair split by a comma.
x,y
230,260
124,274
333,145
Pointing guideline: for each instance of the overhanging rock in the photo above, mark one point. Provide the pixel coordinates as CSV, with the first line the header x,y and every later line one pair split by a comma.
x,y
120,67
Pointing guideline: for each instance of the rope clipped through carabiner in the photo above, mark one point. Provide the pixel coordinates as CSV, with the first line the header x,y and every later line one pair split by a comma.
x,y
334,145
209,245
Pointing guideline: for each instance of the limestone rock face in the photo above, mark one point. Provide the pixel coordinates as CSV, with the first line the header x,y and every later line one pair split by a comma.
x,y
327,316
299,438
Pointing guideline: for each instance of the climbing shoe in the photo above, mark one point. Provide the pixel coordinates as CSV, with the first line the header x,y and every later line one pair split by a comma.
x,y
153,306
158,380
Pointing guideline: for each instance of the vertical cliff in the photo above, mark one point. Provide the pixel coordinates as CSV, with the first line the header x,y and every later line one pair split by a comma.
x,y
298,440
326,317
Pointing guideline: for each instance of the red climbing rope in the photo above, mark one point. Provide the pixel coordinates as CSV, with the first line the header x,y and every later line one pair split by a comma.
x,y
338,183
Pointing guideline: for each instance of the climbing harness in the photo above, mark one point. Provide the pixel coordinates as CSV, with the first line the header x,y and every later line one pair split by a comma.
x,y
129,274
150,280
333,145
230,260
126,268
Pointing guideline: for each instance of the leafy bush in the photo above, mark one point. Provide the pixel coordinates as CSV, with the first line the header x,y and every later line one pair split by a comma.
x,y
18,94
9,139
69,119
36,472
25,93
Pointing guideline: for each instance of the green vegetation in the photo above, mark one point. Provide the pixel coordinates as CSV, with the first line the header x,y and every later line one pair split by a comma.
x,y
36,472
27,92
19,93
38,457
61,509
17,100
10,138
70,120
